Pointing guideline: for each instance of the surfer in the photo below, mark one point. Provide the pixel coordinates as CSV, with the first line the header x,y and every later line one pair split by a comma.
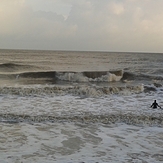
x,y
155,105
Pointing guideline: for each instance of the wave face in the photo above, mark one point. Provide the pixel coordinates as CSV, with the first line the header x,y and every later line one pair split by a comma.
x,y
86,76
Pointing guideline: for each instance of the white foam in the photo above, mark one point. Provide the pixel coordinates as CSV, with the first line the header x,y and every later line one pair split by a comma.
x,y
75,77
68,104
75,143
79,77
78,90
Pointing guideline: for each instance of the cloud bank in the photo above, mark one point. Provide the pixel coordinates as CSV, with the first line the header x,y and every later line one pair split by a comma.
x,y
115,25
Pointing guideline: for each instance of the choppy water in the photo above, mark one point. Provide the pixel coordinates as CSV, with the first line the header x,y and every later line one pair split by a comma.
x,y
80,106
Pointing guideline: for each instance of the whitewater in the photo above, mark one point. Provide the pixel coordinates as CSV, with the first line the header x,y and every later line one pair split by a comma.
x,y
80,107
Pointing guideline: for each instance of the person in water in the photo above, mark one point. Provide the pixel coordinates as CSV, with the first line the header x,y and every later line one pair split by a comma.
x,y
155,105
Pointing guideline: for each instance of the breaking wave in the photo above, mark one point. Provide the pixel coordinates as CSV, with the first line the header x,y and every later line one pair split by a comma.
x,y
85,84
101,76
97,76
10,71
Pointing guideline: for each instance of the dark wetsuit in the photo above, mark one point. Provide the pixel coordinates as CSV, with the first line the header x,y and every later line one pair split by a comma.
x,y
154,105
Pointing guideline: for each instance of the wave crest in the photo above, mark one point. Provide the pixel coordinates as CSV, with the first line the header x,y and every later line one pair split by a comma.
x,y
97,76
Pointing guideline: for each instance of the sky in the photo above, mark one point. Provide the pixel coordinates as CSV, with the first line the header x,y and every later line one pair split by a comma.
x,y
84,25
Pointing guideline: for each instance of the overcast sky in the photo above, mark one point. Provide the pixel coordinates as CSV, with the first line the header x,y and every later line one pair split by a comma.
x,y
102,25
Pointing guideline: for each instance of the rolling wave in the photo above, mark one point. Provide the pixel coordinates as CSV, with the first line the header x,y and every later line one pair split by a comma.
x,y
53,77
13,67
131,76
88,76
9,65
76,76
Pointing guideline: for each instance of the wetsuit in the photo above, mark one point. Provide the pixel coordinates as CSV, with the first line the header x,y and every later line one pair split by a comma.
x,y
154,105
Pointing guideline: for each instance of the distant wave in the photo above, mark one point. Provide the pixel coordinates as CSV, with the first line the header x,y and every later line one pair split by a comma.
x,y
128,118
12,67
131,76
9,65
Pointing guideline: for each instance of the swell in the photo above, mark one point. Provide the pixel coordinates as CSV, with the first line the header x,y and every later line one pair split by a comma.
x,y
12,67
132,76
9,65
128,118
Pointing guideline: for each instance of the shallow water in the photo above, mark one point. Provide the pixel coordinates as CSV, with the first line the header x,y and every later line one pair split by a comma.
x,y
69,142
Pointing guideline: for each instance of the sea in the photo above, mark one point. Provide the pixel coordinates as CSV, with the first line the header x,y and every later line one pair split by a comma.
x,y
80,107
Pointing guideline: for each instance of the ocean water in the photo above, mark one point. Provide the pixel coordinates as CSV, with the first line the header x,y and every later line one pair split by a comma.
x,y
80,107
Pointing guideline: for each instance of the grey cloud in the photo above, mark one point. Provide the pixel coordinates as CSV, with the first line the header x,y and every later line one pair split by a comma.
x,y
126,25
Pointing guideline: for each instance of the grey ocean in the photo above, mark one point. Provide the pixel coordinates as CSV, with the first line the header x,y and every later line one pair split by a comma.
x,y
73,107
